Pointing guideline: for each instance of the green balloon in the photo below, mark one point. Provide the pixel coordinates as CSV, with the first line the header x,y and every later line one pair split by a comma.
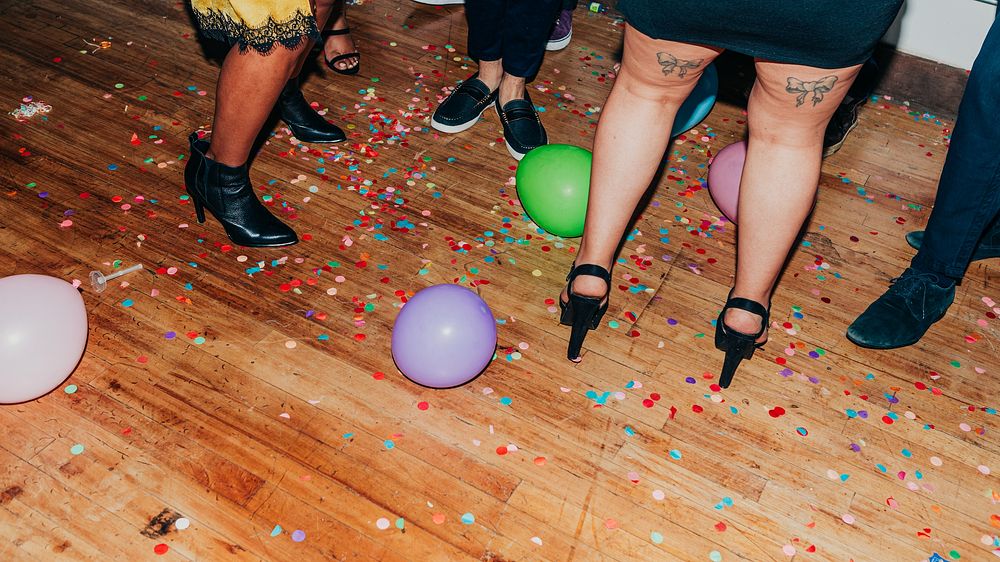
x,y
553,184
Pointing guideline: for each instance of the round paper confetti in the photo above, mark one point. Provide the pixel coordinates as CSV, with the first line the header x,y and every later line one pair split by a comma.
x,y
76,449
382,523
298,535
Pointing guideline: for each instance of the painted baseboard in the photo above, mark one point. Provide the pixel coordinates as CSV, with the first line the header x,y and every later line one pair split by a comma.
x,y
928,85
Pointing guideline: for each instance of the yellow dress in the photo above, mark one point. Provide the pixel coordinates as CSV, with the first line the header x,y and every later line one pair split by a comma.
x,y
256,24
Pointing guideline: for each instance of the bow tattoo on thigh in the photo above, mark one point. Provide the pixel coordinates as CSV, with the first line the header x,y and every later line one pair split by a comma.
x,y
817,88
670,63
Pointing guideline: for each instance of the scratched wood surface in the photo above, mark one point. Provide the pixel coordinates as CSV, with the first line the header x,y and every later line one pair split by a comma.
x,y
238,404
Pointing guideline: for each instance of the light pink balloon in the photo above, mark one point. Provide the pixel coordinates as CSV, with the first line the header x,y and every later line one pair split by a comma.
x,y
43,331
724,175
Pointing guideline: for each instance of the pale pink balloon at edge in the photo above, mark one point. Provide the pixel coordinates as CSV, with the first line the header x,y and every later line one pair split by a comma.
x,y
43,332
724,175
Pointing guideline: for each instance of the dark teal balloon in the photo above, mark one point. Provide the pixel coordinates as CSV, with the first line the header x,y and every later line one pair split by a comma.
x,y
699,104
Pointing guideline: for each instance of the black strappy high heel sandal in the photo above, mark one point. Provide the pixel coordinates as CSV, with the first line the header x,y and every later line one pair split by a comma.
x,y
332,63
737,345
583,313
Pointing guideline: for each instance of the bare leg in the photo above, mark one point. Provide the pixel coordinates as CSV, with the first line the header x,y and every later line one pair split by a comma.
x,y
789,108
491,73
324,10
511,88
335,45
248,87
249,84
632,135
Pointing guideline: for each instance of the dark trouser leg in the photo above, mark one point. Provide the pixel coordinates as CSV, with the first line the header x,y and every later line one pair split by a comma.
x,y
569,5
528,24
486,26
968,197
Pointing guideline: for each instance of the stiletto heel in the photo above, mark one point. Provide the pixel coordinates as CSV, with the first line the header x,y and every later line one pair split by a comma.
x,y
581,312
199,208
737,345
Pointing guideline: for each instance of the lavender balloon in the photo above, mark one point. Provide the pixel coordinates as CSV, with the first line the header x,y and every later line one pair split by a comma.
x,y
444,336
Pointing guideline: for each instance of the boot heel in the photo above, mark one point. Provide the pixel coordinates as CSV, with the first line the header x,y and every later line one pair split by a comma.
x,y
199,207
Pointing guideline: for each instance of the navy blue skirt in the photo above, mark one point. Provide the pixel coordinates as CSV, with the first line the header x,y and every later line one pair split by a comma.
x,y
819,33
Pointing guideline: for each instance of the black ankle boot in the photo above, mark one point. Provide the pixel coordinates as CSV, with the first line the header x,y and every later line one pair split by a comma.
x,y
305,123
228,194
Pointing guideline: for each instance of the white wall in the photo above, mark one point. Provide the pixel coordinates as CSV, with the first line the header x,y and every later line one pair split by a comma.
x,y
946,31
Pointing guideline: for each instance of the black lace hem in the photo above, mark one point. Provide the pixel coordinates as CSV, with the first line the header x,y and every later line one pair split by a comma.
x,y
289,34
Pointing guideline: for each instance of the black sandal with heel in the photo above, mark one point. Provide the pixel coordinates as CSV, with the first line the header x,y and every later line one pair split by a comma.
x,y
737,345
583,313
332,63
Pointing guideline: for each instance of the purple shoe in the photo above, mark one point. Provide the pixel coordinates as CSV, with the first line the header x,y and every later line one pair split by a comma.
x,y
562,32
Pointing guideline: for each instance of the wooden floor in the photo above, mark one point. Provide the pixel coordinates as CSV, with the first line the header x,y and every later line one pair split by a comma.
x,y
240,404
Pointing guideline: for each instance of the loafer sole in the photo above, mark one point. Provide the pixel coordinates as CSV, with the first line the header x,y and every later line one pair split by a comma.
x,y
517,155
444,128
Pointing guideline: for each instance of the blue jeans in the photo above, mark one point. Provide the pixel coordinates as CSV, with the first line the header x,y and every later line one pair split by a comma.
x,y
968,197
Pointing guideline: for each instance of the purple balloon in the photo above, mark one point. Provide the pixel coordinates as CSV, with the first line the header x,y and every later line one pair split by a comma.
x,y
444,336
724,175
